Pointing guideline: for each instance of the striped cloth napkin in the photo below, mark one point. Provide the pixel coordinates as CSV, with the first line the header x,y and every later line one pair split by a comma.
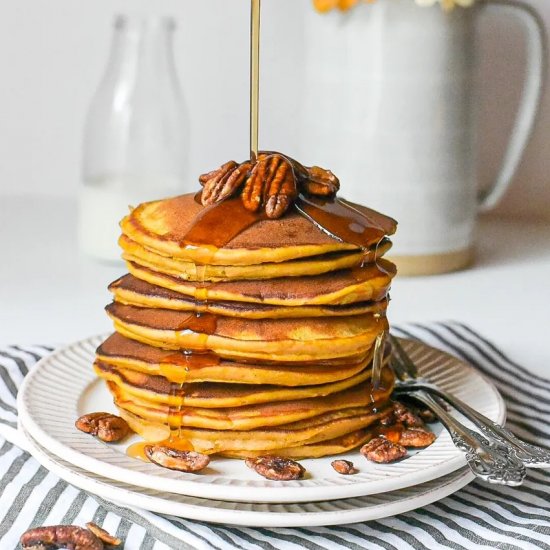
x,y
478,516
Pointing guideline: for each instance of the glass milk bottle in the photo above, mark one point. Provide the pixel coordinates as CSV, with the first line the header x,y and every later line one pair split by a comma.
x,y
136,133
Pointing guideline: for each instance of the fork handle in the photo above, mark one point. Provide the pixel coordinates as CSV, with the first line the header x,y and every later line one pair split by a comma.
x,y
531,455
488,459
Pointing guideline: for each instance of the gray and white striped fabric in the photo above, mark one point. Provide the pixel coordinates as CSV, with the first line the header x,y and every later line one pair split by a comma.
x,y
478,516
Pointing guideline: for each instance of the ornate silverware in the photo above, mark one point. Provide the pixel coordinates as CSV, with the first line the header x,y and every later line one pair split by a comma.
x,y
495,454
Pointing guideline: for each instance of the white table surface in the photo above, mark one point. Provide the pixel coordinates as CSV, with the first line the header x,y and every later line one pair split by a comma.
x,y
51,294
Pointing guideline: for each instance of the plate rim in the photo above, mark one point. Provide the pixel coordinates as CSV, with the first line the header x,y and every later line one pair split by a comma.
x,y
265,493
248,517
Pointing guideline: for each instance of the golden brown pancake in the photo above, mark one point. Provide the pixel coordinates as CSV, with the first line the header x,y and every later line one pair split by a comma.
x,y
164,226
135,292
315,265
179,367
315,430
214,395
248,417
335,446
368,283
268,339
130,290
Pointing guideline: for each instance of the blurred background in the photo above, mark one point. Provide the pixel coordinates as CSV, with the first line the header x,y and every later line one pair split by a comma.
x,y
53,57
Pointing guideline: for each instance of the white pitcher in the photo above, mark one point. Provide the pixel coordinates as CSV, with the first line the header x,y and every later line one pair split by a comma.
x,y
389,106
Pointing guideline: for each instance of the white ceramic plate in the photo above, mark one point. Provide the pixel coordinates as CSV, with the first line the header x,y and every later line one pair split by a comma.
x,y
63,386
333,512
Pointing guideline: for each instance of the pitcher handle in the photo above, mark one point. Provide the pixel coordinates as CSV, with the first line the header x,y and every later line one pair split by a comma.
x,y
530,97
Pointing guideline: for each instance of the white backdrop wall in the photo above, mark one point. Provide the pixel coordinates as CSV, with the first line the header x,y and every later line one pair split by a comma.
x,y
52,56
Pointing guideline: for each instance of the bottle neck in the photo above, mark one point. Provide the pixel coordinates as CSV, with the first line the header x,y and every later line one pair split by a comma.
x,y
141,48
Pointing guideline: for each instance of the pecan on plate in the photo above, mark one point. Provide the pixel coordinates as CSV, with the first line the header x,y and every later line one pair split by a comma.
x,y
425,414
174,459
103,535
383,450
60,536
406,416
271,185
106,426
344,467
416,437
276,467
223,182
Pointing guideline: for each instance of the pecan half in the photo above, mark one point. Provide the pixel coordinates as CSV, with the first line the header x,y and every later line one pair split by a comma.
x,y
271,184
276,467
406,416
280,190
106,426
103,535
321,182
382,450
222,183
60,536
218,172
344,467
174,459
401,415
312,180
253,190
416,437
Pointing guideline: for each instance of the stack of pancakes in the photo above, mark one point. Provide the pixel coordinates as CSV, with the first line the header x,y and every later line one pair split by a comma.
x,y
242,335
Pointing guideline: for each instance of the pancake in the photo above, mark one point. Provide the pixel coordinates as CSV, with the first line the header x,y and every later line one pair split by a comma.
x,y
269,339
324,427
335,446
214,395
368,283
130,290
315,265
259,415
135,292
169,227
179,367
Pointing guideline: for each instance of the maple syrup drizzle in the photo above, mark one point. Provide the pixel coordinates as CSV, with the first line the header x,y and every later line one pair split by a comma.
x,y
211,222
137,450
218,224
176,367
254,76
342,221
203,323
392,432
378,359
190,360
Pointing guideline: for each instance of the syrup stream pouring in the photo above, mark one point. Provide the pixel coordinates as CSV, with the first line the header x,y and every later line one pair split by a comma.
x,y
254,76
423,390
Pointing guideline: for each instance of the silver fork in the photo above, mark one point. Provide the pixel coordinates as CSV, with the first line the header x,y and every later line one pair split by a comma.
x,y
531,455
489,459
